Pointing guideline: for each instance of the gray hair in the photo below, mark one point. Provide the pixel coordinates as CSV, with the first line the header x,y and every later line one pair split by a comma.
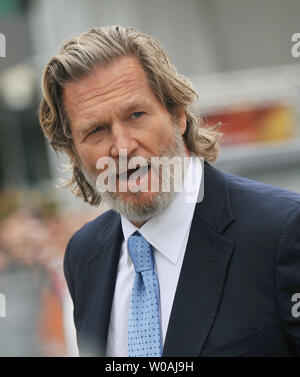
x,y
100,47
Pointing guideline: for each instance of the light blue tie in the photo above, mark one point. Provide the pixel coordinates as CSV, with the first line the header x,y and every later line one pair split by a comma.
x,y
144,334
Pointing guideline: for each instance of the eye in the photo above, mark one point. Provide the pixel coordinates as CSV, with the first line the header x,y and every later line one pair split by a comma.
x,y
95,130
137,114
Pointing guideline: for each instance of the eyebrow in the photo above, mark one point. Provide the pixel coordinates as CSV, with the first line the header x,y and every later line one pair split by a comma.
x,y
86,127
133,105
89,125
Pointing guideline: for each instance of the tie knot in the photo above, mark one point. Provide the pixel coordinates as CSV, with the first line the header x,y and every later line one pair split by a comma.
x,y
140,252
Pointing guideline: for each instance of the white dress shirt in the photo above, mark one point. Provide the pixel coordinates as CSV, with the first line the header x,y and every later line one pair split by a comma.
x,y
168,234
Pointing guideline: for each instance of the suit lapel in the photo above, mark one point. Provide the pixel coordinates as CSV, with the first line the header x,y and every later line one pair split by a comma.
x,y
203,272
101,277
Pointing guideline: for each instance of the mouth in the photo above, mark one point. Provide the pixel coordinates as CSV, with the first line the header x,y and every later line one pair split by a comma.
x,y
128,174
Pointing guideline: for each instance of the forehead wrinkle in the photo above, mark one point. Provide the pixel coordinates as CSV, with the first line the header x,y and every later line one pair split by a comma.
x,y
134,77
99,96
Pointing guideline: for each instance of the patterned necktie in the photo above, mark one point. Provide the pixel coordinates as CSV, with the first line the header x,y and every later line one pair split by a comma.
x,y
144,334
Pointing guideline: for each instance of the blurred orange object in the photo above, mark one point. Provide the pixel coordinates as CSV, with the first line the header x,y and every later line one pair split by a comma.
x,y
251,124
51,331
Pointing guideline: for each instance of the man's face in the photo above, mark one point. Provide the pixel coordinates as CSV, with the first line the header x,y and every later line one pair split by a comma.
x,y
114,109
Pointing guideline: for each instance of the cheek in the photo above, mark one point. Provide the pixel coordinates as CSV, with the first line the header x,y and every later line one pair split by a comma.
x,y
88,157
166,138
162,134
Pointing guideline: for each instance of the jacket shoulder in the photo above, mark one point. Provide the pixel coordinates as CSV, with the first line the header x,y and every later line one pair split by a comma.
x,y
82,239
252,189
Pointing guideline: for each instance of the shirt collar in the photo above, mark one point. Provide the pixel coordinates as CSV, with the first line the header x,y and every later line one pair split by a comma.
x,y
167,231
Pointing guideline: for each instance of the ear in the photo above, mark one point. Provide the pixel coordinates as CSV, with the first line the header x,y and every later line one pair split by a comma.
x,y
180,117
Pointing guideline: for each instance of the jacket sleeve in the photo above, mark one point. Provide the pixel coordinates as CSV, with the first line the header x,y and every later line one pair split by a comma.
x,y
288,278
67,270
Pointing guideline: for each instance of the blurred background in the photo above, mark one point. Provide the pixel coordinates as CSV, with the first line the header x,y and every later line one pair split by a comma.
x,y
238,54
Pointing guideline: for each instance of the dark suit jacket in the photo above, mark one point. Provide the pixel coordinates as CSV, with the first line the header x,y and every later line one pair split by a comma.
x,y
240,271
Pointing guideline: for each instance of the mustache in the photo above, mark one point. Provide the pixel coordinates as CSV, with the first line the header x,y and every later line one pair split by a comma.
x,y
116,167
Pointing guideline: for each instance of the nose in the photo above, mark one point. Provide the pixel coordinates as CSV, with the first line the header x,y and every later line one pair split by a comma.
x,y
122,138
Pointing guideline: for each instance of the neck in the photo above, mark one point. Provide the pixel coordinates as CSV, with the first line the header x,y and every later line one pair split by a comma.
x,y
138,225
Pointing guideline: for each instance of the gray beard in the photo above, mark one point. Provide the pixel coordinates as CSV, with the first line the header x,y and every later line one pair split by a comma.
x,y
156,204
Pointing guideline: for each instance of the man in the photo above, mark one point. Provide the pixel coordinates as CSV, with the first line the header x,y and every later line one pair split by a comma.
x,y
160,275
